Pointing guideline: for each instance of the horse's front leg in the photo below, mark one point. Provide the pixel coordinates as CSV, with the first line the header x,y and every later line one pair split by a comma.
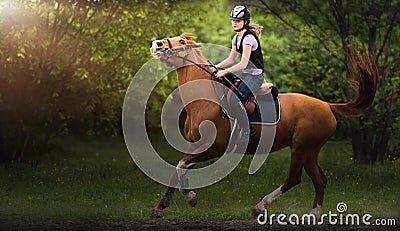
x,y
179,176
182,170
158,210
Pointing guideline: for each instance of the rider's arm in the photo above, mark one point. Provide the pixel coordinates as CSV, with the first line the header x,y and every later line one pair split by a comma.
x,y
242,64
230,60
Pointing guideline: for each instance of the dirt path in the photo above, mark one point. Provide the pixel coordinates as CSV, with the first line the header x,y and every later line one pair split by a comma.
x,y
174,225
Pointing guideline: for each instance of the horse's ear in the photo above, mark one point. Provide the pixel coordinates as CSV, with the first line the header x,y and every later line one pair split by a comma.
x,y
188,36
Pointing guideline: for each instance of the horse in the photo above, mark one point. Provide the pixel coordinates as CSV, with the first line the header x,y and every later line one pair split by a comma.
x,y
306,123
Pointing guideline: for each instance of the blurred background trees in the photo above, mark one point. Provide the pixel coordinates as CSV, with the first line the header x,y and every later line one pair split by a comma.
x,y
332,26
65,65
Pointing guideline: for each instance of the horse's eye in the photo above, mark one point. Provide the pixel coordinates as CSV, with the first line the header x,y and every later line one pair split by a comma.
x,y
182,42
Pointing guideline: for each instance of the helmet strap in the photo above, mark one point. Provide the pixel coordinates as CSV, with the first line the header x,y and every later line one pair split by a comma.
x,y
239,29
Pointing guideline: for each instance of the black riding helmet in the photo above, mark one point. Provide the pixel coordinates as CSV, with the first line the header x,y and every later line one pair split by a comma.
x,y
240,13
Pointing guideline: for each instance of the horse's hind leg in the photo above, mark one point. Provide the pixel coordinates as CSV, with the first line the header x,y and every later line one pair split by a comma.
x,y
319,180
293,179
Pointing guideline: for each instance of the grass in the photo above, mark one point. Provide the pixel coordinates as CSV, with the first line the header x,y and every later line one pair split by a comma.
x,y
95,178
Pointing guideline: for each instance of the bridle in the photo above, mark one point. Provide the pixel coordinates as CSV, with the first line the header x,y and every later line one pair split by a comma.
x,y
173,52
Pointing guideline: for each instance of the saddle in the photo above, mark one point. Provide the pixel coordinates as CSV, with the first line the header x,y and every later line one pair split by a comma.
x,y
263,107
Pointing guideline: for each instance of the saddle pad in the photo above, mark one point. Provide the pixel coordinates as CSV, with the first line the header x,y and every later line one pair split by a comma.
x,y
267,111
268,115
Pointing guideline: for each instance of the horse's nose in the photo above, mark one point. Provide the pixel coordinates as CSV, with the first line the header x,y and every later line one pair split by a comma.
x,y
156,46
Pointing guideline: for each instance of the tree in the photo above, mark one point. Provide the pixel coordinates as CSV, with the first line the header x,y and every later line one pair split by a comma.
x,y
371,25
65,65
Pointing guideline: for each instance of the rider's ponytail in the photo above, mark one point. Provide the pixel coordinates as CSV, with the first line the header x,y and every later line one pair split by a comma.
x,y
255,28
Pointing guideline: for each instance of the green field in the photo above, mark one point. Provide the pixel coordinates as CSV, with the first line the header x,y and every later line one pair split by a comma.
x,y
95,178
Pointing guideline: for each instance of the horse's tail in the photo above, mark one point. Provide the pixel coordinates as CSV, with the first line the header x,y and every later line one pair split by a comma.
x,y
364,79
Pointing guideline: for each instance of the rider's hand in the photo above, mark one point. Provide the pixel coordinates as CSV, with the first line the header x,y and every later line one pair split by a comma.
x,y
213,69
221,73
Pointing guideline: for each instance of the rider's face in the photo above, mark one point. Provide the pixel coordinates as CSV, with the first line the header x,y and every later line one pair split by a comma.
x,y
237,24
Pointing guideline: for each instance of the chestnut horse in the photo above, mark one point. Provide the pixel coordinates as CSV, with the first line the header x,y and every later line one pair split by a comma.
x,y
305,126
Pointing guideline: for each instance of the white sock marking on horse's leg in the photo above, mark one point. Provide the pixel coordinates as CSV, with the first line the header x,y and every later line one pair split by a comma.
x,y
182,170
317,211
268,199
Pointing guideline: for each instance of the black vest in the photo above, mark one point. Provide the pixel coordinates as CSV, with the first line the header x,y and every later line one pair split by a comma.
x,y
256,58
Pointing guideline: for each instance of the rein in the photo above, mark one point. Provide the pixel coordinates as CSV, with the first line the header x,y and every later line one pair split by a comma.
x,y
173,52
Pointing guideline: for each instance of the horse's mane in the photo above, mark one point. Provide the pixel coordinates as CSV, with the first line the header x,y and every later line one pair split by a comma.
x,y
189,37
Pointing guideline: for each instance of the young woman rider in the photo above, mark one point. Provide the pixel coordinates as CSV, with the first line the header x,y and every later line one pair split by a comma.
x,y
251,66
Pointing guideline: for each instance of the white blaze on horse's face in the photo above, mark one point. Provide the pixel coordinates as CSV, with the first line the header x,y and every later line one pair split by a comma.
x,y
157,47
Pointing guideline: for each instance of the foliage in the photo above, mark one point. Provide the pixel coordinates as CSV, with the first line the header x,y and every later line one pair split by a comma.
x,y
65,65
326,30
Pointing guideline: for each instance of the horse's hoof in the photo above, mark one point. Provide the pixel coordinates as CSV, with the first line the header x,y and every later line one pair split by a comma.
x,y
156,213
193,202
192,198
256,212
